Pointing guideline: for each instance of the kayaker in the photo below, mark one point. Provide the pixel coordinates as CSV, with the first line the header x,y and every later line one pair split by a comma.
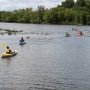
x,y
67,34
8,51
22,39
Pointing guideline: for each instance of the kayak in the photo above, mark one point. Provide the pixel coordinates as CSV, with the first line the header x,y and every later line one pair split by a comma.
x,y
67,35
22,43
80,34
5,55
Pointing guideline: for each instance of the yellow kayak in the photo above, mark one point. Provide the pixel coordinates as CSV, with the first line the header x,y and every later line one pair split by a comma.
x,y
4,55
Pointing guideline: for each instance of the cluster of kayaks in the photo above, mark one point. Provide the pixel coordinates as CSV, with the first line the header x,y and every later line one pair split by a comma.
x,y
79,33
22,42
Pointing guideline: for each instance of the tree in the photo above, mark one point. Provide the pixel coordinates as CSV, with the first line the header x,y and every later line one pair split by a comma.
x,y
69,16
40,12
80,3
84,18
88,4
51,16
68,3
34,17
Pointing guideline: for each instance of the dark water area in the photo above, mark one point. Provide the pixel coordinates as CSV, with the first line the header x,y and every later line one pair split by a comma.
x,y
48,60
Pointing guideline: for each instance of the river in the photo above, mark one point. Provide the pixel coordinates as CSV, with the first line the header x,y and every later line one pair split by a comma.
x,y
48,60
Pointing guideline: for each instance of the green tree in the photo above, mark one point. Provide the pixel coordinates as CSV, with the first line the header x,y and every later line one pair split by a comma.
x,y
68,3
34,18
88,5
40,12
80,3
69,16
51,16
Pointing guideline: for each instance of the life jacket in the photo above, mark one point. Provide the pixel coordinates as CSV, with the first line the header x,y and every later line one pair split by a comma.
x,y
22,40
8,51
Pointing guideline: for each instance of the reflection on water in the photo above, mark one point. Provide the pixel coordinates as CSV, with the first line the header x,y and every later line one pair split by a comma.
x,y
48,60
7,60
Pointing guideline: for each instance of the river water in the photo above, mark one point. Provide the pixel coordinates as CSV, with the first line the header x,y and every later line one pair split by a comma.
x,y
48,60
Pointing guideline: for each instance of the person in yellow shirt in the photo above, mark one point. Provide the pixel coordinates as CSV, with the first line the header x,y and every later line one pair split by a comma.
x,y
8,51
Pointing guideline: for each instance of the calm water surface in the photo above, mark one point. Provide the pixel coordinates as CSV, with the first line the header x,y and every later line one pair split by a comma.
x,y
48,60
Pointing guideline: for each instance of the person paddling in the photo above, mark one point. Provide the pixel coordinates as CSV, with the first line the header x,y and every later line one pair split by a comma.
x,y
8,51
67,34
22,40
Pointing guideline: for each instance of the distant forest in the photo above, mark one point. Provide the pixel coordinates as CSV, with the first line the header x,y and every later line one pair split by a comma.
x,y
69,12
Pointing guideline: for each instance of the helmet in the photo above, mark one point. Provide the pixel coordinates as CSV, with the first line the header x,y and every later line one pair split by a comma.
x,y
7,47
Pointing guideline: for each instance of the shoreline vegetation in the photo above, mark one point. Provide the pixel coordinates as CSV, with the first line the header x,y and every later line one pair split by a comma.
x,y
68,13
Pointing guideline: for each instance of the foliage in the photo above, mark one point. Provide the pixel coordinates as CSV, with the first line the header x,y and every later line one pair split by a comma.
x,y
69,12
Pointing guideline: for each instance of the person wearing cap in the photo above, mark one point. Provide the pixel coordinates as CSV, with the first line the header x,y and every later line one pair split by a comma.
x,y
8,51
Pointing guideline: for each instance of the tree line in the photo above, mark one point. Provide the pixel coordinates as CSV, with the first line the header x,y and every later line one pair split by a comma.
x,y
69,12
